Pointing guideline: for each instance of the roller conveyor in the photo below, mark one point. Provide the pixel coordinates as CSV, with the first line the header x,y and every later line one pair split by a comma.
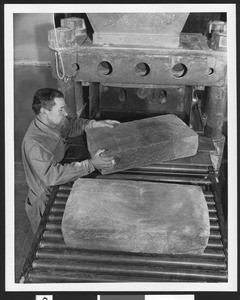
x,y
53,261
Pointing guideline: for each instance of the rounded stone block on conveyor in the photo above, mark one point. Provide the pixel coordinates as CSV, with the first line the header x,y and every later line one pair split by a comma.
x,y
143,142
136,216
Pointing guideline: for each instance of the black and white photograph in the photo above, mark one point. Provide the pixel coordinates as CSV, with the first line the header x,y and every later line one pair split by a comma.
x,y
120,157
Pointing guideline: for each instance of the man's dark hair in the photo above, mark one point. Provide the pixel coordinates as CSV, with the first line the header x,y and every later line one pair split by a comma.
x,y
45,98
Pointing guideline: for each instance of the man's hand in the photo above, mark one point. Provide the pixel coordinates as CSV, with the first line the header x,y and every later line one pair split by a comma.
x,y
105,123
102,162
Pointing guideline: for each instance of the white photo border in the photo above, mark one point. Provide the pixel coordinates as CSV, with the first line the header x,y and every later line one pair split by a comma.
x,y
9,10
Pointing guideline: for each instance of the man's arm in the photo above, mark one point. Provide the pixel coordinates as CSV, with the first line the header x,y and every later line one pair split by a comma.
x,y
76,126
52,172
102,123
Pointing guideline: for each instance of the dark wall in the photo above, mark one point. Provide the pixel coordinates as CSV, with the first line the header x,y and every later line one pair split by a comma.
x,y
197,22
27,79
32,69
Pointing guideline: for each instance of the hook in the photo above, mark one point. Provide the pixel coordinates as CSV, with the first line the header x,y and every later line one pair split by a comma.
x,y
62,77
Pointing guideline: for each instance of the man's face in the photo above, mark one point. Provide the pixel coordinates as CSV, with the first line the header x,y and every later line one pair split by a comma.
x,y
57,114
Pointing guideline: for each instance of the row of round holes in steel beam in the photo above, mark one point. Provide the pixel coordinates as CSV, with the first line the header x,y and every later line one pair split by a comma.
x,y
142,69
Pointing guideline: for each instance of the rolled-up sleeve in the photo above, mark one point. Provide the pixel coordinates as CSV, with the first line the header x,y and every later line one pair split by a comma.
x,y
51,172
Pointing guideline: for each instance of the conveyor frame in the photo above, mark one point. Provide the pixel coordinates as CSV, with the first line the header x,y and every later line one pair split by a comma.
x,y
51,260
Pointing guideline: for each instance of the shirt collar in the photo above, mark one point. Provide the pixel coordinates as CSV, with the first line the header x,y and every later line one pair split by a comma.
x,y
48,128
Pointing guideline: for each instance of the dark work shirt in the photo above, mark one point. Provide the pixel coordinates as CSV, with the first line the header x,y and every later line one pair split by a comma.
x,y
43,147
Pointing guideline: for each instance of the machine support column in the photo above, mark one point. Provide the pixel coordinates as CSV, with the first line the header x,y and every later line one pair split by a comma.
x,y
216,108
94,101
68,90
79,99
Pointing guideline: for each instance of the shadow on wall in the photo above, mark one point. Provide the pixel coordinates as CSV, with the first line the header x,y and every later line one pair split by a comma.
x,y
27,79
41,40
32,69
31,37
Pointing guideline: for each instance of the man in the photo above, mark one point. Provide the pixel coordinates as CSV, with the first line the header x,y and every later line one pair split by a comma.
x,y
43,148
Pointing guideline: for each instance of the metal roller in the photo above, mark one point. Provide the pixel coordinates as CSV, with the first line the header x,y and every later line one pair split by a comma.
x,y
55,233
51,276
158,178
58,209
156,272
161,261
61,200
51,244
56,225
177,168
57,217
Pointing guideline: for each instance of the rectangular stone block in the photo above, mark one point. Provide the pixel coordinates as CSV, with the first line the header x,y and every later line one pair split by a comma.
x,y
135,216
143,142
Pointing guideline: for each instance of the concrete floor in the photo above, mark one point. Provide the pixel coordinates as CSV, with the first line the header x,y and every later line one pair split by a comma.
x,y
23,231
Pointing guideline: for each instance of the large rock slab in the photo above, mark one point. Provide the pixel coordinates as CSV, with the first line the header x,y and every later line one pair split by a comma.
x,y
143,142
136,216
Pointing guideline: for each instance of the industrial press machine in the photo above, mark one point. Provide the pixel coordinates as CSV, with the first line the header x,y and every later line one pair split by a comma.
x,y
133,66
